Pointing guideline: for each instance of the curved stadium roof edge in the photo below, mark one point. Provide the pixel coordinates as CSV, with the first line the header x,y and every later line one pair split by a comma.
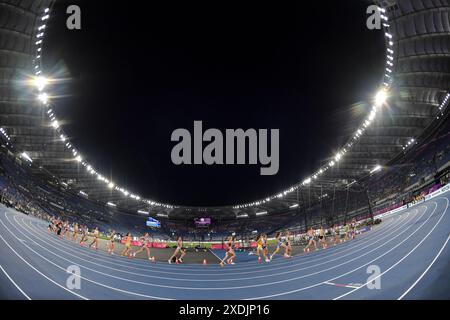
x,y
417,79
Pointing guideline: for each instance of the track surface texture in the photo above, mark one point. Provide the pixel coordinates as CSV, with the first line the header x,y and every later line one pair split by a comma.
x,y
406,257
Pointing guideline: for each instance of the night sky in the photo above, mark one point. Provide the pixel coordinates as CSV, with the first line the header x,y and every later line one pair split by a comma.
x,y
137,71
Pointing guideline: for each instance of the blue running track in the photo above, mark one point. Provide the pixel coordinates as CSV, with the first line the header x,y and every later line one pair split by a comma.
x,y
410,249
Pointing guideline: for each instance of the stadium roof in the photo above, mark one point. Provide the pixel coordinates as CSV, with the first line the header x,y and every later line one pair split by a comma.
x,y
417,83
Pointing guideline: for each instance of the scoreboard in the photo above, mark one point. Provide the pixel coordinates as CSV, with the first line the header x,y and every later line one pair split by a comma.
x,y
202,222
151,222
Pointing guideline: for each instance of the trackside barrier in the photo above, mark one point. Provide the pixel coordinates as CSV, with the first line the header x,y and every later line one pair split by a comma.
x,y
383,215
436,193
237,246
150,245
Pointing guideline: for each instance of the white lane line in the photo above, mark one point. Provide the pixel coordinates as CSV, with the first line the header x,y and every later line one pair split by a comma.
x,y
236,273
276,266
351,271
404,257
84,278
340,285
15,284
214,254
426,270
216,288
80,296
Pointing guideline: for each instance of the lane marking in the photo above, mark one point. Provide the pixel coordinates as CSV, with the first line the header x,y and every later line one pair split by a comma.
x,y
32,267
426,270
276,266
215,288
214,254
15,284
84,278
341,285
233,279
404,257
351,271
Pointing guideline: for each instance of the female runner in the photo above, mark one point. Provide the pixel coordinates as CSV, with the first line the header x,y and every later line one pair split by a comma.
x,y
84,237
280,244
75,232
259,242
127,249
287,245
354,228
146,241
322,237
94,243
310,237
336,234
110,244
229,250
346,231
178,250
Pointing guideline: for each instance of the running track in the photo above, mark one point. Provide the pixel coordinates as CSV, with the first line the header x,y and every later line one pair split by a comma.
x,y
410,248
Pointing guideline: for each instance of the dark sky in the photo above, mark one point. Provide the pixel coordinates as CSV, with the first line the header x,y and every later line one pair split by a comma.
x,y
137,71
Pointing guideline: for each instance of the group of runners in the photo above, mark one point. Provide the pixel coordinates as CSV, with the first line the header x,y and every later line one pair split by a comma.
x,y
262,248
318,236
80,234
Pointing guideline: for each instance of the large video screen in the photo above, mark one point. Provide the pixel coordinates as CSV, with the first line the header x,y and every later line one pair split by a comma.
x,y
202,222
151,222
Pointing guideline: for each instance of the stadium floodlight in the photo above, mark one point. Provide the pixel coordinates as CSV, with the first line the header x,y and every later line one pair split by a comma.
x,y
240,216
377,168
78,158
143,212
83,193
380,97
55,125
294,206
338,157
351,183
40,82
26,156
111,204
261,213
110,185
43,98
162,215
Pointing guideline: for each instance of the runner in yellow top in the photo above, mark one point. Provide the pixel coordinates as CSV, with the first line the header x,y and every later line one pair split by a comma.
x,y
127,249
261,247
